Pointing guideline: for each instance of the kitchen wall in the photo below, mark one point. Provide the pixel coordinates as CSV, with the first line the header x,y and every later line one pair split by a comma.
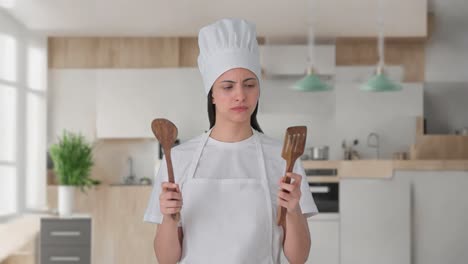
x,y
445,107
344,113
446,50
446,87
72,106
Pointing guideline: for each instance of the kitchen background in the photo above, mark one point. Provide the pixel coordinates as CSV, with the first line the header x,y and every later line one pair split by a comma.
x,y
85,99
107,76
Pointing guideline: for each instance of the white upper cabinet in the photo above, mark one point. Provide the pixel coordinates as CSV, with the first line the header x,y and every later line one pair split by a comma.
x,y
128,100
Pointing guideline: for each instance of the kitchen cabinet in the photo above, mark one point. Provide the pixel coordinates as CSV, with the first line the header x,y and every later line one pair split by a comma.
x,y
129,99
325,240
375,221
65,240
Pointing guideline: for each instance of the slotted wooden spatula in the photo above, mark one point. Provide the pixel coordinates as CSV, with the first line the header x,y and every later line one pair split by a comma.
x,y
293,148
166,133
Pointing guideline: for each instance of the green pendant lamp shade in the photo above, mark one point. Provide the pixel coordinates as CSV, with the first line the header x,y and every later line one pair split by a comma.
x,y
380,83
311,83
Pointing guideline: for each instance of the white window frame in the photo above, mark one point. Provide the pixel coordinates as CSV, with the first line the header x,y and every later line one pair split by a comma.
x,y
24,41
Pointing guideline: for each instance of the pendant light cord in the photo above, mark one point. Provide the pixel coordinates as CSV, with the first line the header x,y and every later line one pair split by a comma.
x,y
380,22
310,35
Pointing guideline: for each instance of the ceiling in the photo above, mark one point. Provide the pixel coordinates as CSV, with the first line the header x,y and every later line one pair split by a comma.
x,y
332,18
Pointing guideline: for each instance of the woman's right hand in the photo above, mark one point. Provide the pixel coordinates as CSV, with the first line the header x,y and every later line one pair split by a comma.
x,y
170,200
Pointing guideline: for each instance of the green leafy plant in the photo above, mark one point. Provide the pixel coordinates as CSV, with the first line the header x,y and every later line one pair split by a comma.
x,y
73,160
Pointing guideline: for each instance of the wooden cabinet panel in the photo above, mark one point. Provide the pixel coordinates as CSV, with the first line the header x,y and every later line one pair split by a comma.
x,y
188,52
72,52
113,52
119,234
363,51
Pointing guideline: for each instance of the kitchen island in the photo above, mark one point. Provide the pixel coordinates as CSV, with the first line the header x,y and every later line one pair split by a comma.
x,y
390,212
119,234
402,211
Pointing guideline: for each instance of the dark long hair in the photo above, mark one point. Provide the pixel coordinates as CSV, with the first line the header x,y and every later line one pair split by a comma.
x,y
212,114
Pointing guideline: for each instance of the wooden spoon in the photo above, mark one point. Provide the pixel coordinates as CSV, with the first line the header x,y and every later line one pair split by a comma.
x,y
166,133
293,148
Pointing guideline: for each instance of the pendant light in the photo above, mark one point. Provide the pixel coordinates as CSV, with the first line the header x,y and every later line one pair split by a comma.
x,y
380,82
311,82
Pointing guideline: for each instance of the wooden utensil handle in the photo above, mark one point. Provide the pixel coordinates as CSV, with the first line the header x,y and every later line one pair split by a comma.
x,y
170,169
281,214
170,174
176,217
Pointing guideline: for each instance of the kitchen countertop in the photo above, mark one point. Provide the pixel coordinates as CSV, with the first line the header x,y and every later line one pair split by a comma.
x,y
383,168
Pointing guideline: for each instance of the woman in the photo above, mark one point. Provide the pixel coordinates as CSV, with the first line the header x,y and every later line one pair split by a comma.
x,y
229,180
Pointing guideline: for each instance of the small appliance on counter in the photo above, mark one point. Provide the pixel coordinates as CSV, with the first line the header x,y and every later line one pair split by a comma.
x,y
316,153
349,152
400,155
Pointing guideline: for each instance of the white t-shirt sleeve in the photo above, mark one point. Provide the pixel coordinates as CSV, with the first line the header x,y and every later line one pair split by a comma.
x,y
307,203
153,211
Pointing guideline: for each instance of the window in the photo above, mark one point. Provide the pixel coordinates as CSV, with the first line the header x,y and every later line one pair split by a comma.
x,y
23,98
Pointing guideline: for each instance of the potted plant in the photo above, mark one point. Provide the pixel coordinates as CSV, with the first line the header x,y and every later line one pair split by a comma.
x,y
73,160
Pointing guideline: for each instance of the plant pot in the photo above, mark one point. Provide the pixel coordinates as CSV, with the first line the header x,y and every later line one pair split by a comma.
x,y
66,195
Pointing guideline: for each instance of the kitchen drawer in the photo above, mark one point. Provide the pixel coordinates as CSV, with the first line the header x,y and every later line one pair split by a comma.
x,y
65,231
65,255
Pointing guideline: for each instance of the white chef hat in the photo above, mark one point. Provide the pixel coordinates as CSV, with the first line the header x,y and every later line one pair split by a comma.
x,y
227,44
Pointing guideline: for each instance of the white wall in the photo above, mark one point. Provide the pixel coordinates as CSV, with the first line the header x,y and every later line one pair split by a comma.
x,y
445,107
344,113
72,106
446,51
445,94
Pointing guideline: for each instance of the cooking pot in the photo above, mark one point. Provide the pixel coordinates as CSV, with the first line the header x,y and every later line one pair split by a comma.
x,y
318,153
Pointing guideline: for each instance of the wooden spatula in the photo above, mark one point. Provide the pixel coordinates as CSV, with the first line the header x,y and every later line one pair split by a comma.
x,y
293,148
166,133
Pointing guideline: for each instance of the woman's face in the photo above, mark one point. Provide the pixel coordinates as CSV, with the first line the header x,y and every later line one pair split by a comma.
x,y
235,95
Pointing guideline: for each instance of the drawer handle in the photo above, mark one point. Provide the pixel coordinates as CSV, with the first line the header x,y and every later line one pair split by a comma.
x,y
60,258
65,233
319,189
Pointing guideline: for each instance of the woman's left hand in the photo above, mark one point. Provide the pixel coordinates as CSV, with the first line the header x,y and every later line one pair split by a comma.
x,y
290,193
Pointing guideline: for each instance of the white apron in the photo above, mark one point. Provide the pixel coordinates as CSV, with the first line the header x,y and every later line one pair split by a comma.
x,y
227,220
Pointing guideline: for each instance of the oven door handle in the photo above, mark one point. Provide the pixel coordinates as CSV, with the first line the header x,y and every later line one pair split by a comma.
x,y
319,189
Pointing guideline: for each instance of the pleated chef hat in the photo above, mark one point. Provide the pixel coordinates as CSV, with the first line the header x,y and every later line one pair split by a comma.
x,y
227,44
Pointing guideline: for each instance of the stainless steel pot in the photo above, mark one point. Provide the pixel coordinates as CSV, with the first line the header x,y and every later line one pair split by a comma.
x,y
318,153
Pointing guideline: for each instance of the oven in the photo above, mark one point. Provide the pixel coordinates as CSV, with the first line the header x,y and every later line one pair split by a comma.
x,y
324,188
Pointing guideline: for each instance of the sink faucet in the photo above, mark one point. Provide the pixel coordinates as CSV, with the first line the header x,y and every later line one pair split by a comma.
x,y
130,179
374,137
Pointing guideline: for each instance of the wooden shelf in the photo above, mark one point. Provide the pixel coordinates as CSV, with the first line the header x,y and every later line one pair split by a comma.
x,y
437,146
